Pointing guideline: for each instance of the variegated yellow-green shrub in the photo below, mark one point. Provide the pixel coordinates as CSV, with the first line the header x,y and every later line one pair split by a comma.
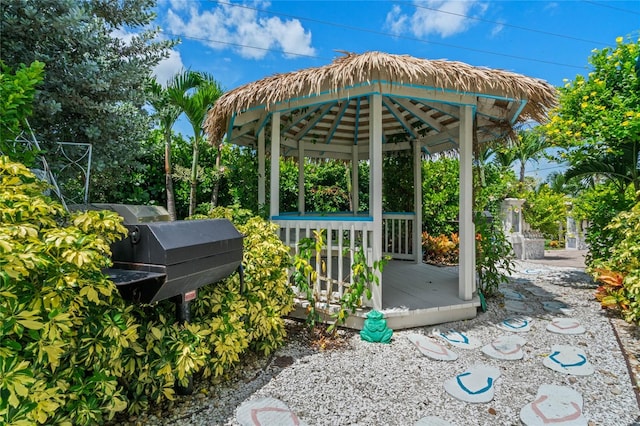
x,y
73,352
619,274
63,325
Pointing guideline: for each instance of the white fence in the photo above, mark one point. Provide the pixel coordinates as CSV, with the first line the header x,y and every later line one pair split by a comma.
x,y
398,235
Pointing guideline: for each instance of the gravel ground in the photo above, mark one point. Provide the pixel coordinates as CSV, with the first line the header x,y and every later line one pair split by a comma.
x,y
360,383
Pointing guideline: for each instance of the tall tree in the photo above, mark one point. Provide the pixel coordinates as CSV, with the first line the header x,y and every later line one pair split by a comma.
x,y
165,101
597,120
523,146
93,88
195,105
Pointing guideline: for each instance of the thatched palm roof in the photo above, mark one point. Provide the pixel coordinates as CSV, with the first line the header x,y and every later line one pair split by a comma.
x,y
329,104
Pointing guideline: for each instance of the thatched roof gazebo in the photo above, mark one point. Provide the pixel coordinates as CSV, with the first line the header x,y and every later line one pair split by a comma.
x,y
360,107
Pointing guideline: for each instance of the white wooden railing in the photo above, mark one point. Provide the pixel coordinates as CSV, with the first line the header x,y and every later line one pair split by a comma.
x,y
343,236
397,235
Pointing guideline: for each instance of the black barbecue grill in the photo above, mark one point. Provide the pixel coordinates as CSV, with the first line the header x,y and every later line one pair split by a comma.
x,y
161,259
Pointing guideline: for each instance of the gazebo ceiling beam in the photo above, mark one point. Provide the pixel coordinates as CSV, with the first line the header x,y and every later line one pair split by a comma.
x,y
337,120
397,114
297,117
419,113
243,118
313,121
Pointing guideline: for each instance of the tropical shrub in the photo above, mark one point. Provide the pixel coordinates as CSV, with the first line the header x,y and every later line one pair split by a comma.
x,y
619,272
441,249
63,325
72,351
545,210
494,255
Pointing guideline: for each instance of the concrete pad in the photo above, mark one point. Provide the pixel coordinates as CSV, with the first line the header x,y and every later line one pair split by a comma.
x,y
265,412
511,294
558,405
505,348
565,326
556,307
516,324
517,306
476,385
568,359
431,348
458,339
432,421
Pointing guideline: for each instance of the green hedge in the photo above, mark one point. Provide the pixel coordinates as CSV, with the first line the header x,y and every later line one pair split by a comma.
x,y
73,352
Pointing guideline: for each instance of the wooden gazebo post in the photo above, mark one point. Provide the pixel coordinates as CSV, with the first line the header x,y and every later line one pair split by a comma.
x,y
466,279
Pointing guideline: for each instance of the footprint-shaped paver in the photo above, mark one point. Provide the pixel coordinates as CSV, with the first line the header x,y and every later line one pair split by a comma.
x,y
540,292
431,348
511,294
517,306
556,307
517,324
568,359
506,348
432,421
476,385
557,405
458,339
266,411
565,326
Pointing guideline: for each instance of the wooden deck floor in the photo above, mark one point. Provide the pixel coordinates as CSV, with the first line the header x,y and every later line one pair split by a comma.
x,y
416,295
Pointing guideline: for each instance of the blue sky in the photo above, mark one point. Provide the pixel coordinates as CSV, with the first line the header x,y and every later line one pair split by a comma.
x,y
242,41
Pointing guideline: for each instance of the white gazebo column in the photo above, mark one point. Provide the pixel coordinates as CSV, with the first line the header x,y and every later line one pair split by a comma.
x,y
261,174
417,201
375,189
355,196
466,278
301,206
274,190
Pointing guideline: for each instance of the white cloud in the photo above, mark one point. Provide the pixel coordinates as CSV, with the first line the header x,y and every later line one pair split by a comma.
x,y
441,17
497,29
168,67
227,26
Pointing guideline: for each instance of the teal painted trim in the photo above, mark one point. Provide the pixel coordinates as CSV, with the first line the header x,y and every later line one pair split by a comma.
x,y
523,103
310,112
410,131
326,218
385,82
338,118
318,118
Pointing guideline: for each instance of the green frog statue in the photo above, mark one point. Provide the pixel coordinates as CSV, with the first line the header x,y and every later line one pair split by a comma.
x,y
375,328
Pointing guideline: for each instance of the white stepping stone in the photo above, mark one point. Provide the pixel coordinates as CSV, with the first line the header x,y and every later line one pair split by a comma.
x,y
266,411
458,339
431,348
432,421
474,385
517,306
515,324
540,292
565,326
568,359
556,307
511,294
557,405
507,348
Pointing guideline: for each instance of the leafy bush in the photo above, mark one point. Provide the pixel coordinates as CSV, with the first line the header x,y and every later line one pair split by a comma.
x,y
441,249
619,272
494,255
545,210
73,352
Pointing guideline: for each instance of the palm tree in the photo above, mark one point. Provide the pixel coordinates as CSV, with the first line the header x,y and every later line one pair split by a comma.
x,y
165,103
526,145
621,168
195,106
